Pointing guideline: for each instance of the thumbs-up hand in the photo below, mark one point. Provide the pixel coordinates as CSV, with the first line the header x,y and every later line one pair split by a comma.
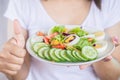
x,y
13,52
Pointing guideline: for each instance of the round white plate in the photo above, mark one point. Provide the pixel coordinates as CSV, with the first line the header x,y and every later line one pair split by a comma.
x,y
101,56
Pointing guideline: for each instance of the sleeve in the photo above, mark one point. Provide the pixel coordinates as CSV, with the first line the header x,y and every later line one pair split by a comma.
x,y
15,11
111,12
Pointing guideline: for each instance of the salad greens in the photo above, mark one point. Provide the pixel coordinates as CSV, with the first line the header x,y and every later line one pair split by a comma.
x,y
59,38
59,29
65,45
83,42
78,31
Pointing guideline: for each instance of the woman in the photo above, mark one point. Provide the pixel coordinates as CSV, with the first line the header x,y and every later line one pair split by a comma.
x,y
35,15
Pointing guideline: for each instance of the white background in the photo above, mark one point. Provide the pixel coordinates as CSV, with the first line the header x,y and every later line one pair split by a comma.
x,y
3,28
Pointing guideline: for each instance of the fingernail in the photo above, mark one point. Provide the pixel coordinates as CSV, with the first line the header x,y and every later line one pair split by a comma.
x,y
116,39
82,67
108,59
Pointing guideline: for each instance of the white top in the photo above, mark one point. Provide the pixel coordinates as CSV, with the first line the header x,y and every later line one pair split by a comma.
x,y
33,17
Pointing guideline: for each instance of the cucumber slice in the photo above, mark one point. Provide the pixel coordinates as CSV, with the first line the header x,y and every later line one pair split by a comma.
x,y
79,55
53,56
63,54
47,55
74,54
41,52
35,39
89,53
69,54
38,45
57,53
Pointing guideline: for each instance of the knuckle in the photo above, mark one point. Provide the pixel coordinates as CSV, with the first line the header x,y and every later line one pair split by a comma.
x,y
8,46
13,59
13,67
9,72
21,61
3,54
17,51
22,52
16,67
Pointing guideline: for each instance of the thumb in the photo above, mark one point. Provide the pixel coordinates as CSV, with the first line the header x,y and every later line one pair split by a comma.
x,y
17,27
20,40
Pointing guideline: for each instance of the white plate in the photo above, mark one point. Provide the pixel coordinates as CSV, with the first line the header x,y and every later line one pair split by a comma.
x,y
101,56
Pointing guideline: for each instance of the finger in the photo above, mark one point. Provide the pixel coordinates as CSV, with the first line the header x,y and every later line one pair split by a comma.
x,y
15,60
84,66
15,50
9,72
12,67
115,40
13,40
107,59
18,34
12,59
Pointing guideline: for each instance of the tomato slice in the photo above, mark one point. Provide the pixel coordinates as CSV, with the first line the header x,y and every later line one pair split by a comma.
x,y
46,40
60,46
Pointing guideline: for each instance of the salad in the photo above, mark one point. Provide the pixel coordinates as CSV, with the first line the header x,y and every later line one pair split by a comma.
x,y
62,44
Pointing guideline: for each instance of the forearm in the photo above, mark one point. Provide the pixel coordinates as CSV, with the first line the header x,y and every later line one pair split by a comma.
x,y
107,70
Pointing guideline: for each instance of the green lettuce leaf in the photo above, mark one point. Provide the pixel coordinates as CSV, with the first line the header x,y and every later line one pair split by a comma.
x,y
82,42
59,29
78,31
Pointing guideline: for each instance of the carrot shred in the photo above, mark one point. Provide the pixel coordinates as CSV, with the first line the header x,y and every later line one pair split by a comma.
x,y
40,34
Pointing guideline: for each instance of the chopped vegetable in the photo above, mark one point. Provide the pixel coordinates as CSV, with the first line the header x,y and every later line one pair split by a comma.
x,y
89,52
55,42
60,46
90,39
59,29
40,34
59,37
46,40
65,34
78,31
52,35
70,38
82,42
